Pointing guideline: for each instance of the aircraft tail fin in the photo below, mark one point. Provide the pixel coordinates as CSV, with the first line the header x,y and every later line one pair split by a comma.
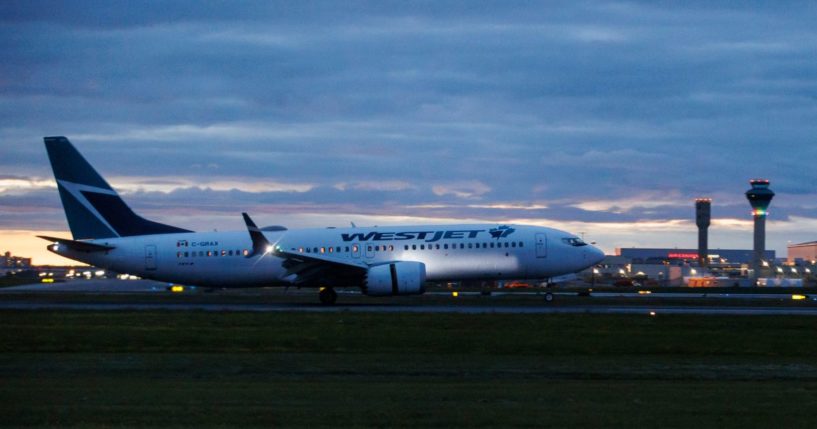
x,y
93,208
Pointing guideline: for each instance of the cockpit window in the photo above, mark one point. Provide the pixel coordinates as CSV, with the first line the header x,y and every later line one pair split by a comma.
x,y
574,241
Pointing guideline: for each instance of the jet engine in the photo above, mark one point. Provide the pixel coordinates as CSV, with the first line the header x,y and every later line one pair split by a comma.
x,y
398,278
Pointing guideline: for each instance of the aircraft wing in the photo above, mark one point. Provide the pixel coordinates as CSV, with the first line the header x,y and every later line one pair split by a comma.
x,y
308,269
320,270
319,258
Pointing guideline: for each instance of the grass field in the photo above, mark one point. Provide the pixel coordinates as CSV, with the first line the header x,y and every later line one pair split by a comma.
x,y
6,281
193,369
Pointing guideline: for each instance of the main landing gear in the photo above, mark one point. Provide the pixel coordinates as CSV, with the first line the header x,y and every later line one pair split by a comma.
x,y
327,295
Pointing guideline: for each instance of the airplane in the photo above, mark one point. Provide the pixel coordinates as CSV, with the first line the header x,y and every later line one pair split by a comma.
x,y
381,261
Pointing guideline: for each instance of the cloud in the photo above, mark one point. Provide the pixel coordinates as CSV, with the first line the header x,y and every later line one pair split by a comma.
x,y
469,189
18,185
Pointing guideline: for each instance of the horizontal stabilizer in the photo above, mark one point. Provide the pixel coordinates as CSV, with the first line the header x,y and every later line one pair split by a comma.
x,y
81,246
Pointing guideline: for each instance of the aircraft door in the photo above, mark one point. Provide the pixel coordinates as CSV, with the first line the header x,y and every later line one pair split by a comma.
x,y
541,245
356,250
150,257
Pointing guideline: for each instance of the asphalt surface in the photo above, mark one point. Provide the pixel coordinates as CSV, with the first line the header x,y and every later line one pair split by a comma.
x,y
398,308
91,286
20,298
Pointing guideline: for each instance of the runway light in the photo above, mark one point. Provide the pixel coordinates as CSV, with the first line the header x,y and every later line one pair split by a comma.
x,y
798,297
47,280
177,288
455,294
652,314
644,292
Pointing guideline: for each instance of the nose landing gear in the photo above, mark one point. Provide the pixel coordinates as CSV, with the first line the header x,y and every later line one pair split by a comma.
x,y
327,295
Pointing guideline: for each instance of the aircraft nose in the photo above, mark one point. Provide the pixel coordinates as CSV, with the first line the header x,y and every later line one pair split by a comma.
x,y
596,255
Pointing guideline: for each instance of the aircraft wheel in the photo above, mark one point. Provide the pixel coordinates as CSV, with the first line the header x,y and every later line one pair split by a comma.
x,y
327,295
548,297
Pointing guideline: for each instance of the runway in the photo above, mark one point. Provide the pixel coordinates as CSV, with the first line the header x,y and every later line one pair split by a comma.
x,y
400,308
146,295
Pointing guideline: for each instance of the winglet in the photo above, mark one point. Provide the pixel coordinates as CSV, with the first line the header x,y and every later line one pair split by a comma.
x,y
260,244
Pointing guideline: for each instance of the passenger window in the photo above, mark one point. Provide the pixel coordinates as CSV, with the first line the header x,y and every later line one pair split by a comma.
x,y
355,248
331,249
230,253
347,249
300,250
337,249
315,249
178,254
422,247
462,245
405,247
513,244
186,254
445,246
413,247
246,252
308,250
470,245
520,244
391,247
369,248
506,244
209,253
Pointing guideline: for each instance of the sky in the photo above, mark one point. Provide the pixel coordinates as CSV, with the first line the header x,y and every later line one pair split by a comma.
x,y
606,119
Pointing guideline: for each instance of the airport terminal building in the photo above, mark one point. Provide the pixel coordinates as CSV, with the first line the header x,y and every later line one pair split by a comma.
x,y
802,252
663,255
14,262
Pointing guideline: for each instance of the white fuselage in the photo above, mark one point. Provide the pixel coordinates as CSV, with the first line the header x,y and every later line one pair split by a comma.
x,y
449,252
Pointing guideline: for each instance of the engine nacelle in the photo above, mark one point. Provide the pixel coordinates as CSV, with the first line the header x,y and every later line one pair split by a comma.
x,y
398,278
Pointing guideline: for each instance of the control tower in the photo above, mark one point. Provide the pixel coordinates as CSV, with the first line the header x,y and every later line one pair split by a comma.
x,y
760,196
703,216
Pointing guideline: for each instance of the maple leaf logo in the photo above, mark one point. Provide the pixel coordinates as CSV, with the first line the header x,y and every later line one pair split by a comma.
x,y
501,232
